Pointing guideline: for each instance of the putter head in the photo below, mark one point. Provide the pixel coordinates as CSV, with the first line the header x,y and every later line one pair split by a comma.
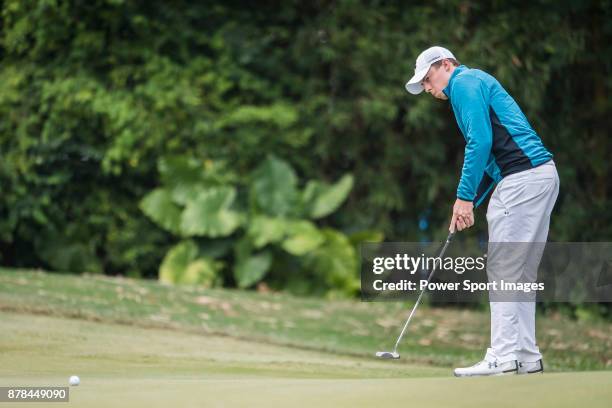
x,y
388,355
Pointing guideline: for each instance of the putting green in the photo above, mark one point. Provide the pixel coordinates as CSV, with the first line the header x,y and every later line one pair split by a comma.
x,y
130,366
439,337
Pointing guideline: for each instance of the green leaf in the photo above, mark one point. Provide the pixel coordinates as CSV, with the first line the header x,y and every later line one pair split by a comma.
x,y
183,193
187,176
201,272
159,207
216,248
303,237
366,236
252,269
177,260
210,215
323,199
176,171
273,189
182,265
335,262
264,230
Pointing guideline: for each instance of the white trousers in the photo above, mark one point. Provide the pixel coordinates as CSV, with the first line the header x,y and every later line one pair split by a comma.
x,y
519,211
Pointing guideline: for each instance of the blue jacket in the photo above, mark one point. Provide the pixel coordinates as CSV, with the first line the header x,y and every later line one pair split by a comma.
x,y
499,139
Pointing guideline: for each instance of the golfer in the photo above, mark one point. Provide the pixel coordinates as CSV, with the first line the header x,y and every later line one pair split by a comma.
x,y
502,151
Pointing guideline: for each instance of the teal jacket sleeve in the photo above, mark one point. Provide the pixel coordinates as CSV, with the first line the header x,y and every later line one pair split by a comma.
x,y
470,98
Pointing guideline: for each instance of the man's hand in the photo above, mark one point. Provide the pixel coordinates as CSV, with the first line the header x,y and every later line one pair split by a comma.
x,y
463,215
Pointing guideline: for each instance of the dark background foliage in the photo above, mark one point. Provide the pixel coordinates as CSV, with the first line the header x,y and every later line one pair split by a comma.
x,y
94,93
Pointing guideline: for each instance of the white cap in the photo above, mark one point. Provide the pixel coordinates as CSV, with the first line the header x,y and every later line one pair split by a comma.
x,y
423,63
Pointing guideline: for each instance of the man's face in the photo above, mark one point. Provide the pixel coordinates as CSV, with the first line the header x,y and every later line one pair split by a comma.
x,y
436,79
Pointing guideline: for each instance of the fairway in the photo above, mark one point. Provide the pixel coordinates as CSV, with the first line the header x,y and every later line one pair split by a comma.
x,y
120,365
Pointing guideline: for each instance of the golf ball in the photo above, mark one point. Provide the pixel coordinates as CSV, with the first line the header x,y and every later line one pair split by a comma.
x,y
74,380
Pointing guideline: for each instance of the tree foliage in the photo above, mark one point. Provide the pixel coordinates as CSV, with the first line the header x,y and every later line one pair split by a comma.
x,y
106,102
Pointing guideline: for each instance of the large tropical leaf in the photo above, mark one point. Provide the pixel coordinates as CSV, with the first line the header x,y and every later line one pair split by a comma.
x,y
182,265
209,214
177,260
302,237
183,176
159,207
335,262
201,272
264,230
186,176
323,199
273,190
252,269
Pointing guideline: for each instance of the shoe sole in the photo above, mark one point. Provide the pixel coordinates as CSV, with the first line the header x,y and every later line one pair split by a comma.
x,y
507,372
539,370
531,372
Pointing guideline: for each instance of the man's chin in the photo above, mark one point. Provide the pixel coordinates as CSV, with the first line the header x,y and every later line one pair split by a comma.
x,y
442,96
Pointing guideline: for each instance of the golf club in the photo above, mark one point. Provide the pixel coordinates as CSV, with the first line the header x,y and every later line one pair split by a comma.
x,y
394,354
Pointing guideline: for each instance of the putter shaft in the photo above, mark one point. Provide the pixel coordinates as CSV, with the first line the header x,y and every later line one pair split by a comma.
x,y
416,304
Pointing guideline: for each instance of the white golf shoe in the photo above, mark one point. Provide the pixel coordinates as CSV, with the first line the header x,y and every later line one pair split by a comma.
x,y
487,368
531,368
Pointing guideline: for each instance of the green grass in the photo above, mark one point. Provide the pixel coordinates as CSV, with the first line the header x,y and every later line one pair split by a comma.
x,y
141,344
121,365
437,337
